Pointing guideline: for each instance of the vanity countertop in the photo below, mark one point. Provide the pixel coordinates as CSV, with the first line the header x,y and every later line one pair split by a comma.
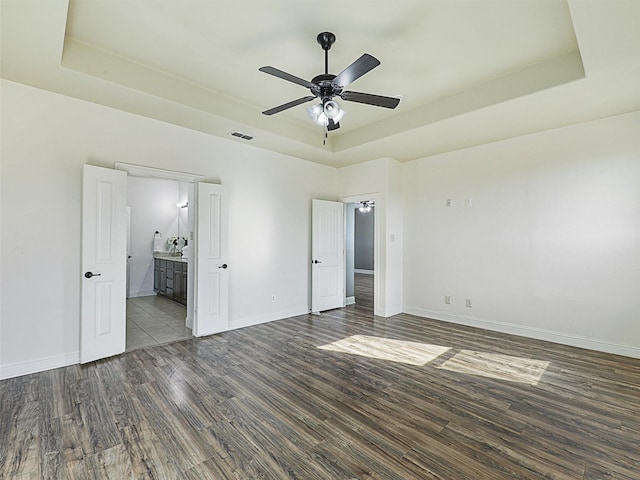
x,y
170,258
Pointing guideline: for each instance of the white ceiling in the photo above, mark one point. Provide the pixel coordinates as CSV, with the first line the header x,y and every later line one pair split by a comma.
x,y
469,72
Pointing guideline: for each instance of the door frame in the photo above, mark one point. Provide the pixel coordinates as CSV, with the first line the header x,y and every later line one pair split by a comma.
x,y
128,247
162,174
378,239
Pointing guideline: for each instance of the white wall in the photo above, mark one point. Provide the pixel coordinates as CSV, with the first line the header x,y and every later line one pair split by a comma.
x,y
549,248
46,138
380,180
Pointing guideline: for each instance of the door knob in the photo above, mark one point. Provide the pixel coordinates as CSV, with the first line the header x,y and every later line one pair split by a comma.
x,y
91,274
316,261
224,265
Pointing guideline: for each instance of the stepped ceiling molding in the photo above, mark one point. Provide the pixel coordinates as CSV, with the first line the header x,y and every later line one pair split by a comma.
x,y
469,72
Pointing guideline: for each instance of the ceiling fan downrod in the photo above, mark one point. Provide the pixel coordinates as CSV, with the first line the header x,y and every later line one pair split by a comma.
x,y
326,39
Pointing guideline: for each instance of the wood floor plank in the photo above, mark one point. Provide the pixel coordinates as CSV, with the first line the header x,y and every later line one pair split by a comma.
x,y
49,429
171,428
112,464
146,454
99,430
368,459
23,450
500,453
443,461
281,413
72,446
118,395
268,402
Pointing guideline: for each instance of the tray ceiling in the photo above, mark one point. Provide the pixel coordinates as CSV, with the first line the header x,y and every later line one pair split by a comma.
x,y
469,72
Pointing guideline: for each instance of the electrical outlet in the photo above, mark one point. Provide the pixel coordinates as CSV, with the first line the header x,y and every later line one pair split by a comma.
x,y
447,299
468,302
468,202
273,298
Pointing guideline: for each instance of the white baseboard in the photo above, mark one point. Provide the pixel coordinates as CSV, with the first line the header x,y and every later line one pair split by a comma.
x,y
530,332
391,311
361,270
18,369
268,317
141,294
350,300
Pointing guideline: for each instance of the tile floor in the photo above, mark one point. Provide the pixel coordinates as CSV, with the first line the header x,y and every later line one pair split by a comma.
x,y
154,320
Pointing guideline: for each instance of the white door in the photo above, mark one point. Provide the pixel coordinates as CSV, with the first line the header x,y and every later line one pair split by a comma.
x,y
128,250
104,263
212,269
327,255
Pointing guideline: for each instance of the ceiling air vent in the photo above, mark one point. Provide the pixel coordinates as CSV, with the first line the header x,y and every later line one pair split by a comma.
x,y
241,135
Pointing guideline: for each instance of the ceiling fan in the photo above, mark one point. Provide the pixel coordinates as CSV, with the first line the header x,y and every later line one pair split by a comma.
x,y
326,86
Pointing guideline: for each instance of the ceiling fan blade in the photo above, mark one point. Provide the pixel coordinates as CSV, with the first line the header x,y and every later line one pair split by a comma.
x,y
370,99
285,106
332,125
285,76
357,69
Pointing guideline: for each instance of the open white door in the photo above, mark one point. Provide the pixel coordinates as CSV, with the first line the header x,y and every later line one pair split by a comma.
x,y
104,263
327,255
212,274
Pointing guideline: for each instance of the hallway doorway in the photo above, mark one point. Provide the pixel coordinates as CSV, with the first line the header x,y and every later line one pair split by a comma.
x,y
360,254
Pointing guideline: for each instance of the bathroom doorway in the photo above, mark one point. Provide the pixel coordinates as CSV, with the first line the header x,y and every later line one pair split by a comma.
x,y
104,204
159,228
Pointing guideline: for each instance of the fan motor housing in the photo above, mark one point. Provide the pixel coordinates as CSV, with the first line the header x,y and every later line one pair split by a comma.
x,y
326,87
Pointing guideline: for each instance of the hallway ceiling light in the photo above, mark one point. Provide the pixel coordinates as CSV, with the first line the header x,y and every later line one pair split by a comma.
x,y
365,207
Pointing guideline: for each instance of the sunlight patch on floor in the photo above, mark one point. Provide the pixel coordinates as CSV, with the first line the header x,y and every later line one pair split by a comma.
x,y
400,351
501,367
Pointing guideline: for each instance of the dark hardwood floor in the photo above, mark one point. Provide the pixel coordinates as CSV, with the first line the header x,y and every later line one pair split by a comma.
x,y
363,289
343,395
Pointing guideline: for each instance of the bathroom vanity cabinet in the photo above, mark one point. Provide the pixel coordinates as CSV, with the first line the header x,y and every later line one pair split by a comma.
x,y
170,278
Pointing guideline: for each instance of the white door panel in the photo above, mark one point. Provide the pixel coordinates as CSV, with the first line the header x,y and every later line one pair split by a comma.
x,y
104,260
327,251
212,277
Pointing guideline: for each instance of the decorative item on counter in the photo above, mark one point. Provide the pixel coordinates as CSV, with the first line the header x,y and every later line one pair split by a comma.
x,y
185,252
157,242
176,244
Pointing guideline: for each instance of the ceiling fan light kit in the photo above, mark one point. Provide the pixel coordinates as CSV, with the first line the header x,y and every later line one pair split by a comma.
x,y
326,86
322,115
